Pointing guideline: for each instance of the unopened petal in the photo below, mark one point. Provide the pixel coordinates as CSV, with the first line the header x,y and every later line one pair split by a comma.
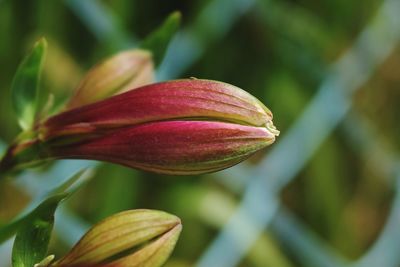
x,y
154,254
121,232
181,99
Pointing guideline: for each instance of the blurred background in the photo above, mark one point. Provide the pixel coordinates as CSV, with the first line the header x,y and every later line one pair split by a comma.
x,y
325,194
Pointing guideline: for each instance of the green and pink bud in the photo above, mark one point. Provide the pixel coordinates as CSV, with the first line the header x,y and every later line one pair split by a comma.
x,y
129,238
117,74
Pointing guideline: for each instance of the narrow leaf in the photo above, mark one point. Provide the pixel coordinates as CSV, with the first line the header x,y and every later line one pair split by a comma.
x,y
25,85
157,42
32,240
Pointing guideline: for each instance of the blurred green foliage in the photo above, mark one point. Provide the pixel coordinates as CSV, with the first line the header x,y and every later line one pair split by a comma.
x,y
278,50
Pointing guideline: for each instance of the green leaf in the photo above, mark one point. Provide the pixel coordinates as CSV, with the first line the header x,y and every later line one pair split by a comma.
x,y
47,202
157,42
32,240
25,85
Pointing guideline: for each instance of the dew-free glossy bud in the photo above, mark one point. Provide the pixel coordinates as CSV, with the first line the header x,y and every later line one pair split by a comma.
x,y
121,72
176,127
153,233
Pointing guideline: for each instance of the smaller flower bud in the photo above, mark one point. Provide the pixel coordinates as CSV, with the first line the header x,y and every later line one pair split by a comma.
x,y
153,234
121,72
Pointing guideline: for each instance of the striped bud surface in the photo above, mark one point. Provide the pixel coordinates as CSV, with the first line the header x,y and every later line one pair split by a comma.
x,y
143,238
177,127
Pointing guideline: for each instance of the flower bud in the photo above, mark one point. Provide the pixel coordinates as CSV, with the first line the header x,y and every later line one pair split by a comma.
x,y
119,73
176,127
130,238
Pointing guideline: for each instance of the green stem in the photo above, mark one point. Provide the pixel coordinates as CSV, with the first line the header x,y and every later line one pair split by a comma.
x,y
24,152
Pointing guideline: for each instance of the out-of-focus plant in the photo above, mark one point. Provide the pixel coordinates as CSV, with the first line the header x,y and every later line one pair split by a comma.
x,y
124,71
187,126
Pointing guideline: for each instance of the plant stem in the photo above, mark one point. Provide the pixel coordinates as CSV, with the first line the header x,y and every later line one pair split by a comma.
x,y
20,155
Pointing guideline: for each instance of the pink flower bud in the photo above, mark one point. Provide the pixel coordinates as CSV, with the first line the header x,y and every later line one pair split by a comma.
x,y
176,127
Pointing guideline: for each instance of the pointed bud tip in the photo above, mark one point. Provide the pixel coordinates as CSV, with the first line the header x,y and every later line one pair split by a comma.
x,y
271,128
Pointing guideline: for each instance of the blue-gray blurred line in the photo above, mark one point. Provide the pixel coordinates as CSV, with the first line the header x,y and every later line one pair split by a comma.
x,y
36,183
311,251
307,247
211,25
5,252
365,140
385,250
234,178
322,115
315,249
243,227
102,23
69,227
